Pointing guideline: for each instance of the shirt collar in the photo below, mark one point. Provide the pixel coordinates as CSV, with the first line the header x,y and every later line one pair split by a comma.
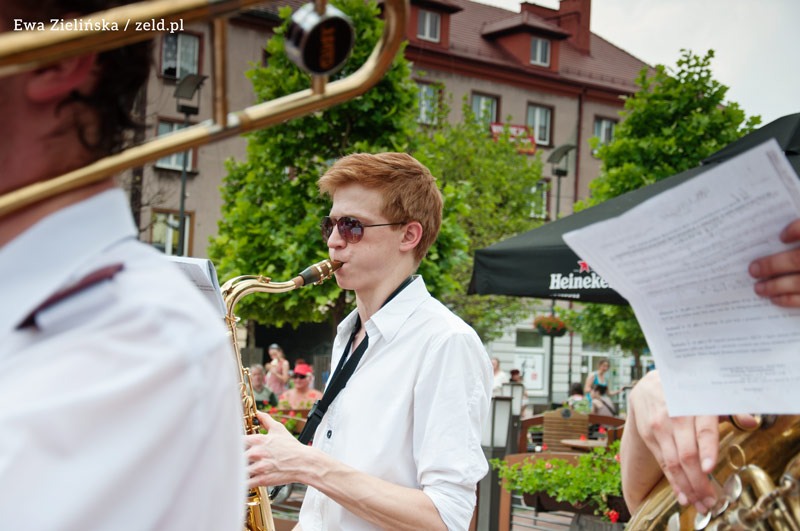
x,y
388,320
391,317
52,253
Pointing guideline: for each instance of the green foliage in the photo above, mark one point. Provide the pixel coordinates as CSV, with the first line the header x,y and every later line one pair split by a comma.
x,y
608,325
271,206
675,120
594,478
487,188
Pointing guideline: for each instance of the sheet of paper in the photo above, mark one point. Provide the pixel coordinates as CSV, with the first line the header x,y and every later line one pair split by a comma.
x,y
203,274
681,260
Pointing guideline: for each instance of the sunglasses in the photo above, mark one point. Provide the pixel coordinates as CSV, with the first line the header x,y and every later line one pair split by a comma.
x,y
299,376
350,229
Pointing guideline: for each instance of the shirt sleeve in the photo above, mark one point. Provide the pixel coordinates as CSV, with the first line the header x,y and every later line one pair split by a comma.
x,y
451,402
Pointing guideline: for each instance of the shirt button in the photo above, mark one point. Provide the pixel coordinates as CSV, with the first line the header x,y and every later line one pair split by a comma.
x,y
329,434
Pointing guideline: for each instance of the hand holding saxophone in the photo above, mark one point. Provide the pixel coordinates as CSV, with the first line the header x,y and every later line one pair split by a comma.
x,y
684,449
272,457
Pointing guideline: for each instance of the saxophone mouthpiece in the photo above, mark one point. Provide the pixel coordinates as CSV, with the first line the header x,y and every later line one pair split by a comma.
x,y
317,273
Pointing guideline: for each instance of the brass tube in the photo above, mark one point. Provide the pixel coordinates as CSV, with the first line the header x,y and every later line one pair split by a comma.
x,y
254,117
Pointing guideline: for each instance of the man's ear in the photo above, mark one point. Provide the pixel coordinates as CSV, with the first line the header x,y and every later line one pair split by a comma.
x,y
412,234
59,80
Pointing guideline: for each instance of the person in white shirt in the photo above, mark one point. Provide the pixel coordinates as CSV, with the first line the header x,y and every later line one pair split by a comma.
x,y
499,376
119,406
399,447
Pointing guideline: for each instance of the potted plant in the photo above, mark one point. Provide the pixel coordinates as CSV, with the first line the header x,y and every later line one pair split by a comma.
x,y
591,484
550,325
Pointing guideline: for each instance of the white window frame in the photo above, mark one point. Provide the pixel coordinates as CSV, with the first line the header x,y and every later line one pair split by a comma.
x,y
428,102
480,102
187,57
604,129
540,51
175,160
540,119
167,222
429,25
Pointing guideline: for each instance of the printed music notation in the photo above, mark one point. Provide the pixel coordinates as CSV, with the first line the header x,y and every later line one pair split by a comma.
x,y
681,260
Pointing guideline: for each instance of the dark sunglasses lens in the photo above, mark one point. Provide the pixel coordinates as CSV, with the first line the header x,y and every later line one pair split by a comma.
x,y
299,376
351,229
326,226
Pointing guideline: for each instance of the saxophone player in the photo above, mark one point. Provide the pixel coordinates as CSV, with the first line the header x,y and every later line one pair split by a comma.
x,y
399,447
685,449
118,393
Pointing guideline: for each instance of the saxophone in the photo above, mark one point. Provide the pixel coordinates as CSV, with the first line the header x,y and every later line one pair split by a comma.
x,y
259,515
758,477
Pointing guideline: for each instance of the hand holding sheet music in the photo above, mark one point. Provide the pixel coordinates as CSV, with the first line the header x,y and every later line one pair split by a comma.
x,y
681,259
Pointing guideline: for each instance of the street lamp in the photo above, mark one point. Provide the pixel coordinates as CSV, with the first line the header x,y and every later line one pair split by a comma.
x,y
559,154
494,440
185,92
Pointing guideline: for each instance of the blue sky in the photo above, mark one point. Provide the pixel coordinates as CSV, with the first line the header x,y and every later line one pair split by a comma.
x,y
756,42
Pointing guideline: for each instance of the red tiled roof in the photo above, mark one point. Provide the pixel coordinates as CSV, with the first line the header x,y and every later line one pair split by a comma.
x,y
605,66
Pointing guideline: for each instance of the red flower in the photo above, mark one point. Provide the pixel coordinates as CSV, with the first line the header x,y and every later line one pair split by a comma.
x,y
601,429
612,515
583,437
544,447
548,465
617,458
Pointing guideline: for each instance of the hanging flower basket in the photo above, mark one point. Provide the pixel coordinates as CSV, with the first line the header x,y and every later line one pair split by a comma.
x,y
550,325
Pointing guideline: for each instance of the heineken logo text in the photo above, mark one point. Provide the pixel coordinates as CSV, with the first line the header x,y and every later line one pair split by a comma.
x,y
573,281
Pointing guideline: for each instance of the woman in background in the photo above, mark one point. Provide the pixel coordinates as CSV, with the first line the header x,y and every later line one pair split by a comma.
x,y
278,375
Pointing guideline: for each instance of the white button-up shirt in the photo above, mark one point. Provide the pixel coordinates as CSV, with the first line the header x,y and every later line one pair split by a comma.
x,y
412,412
120,409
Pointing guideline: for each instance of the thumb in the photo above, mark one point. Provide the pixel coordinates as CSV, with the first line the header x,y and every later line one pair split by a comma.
x,y
266,421
746,422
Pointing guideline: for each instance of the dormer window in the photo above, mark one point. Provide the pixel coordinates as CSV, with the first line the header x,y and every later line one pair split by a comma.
x,y
540,51
429,26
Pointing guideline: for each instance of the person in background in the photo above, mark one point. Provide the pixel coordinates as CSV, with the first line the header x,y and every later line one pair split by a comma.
x,y
599,377
109,355
302,395
516,377
311,378
601,404
500,377
277,370
400,446
577,400
685,449
262,394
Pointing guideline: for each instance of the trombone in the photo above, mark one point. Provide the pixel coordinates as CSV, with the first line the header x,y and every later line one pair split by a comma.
x,y
22,51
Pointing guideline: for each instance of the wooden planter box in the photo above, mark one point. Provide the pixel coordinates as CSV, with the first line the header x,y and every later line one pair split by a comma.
x,y
541,501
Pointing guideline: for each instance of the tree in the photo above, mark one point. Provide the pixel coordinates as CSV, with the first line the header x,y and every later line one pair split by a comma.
x,y
675,120
271,206
487,186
